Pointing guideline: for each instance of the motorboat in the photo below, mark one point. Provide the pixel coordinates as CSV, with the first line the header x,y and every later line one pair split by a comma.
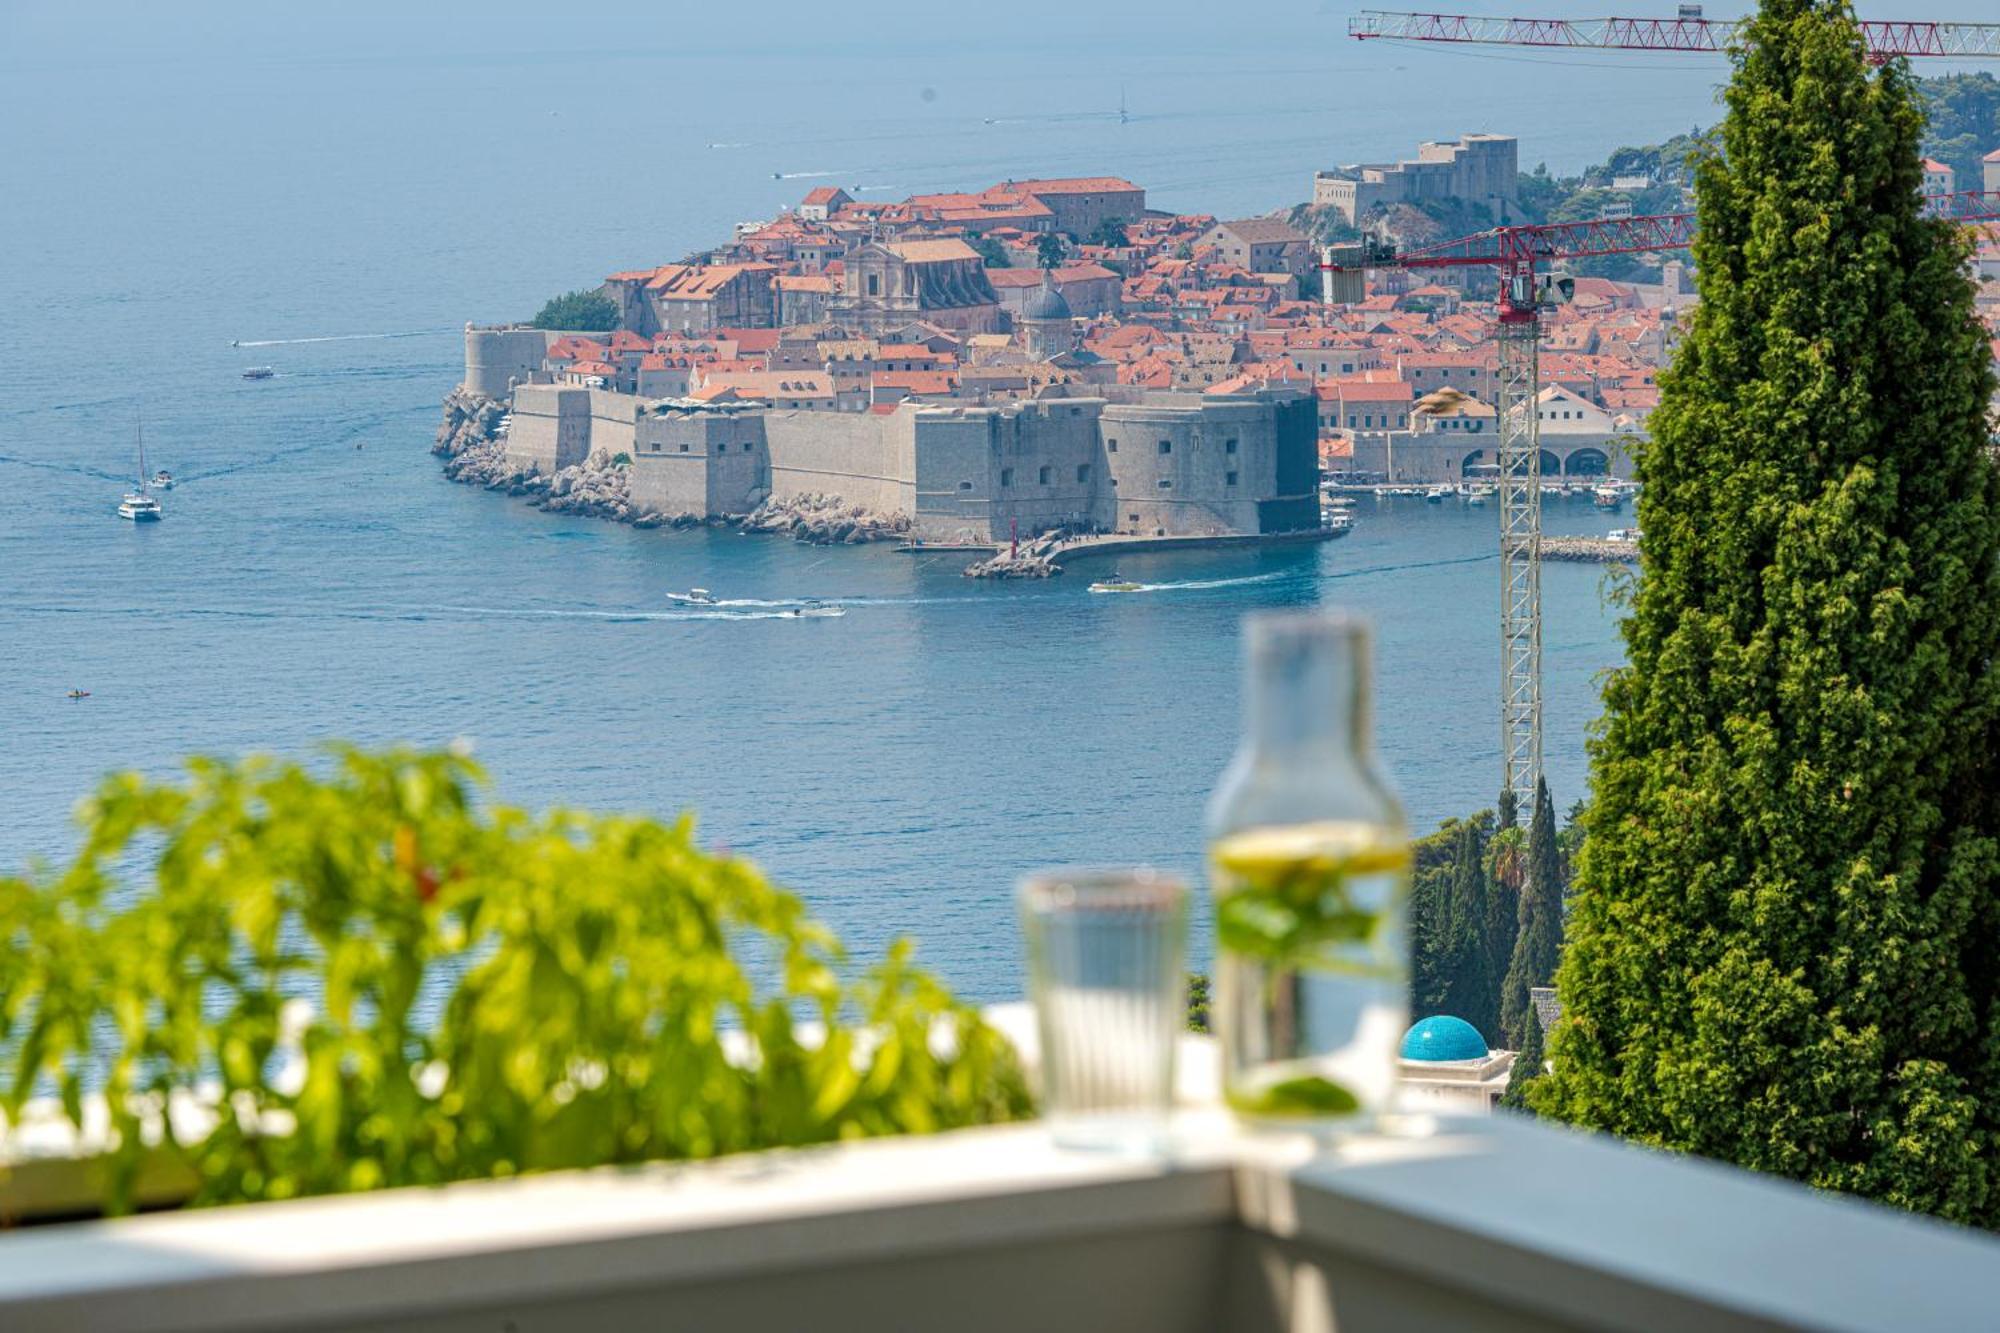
x,y
163,480
1337,521
258,373
1477,499
1610,495
1622,535
818,610
693,597
1437,495
1116,584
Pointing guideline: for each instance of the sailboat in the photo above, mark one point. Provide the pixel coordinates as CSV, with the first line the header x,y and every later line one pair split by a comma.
x,y
138,505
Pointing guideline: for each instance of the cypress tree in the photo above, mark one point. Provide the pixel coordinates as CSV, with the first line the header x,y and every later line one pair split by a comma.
x,y
1462,960
1783,940
1510,808
1538,942
1527,1067
1506,864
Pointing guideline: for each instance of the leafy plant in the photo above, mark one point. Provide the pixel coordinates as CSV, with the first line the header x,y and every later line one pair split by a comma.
x,y
491,992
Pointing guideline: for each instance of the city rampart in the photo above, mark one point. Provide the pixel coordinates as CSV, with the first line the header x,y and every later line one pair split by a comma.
x,y
497,359
702,462
556,426
865,459
1194,465
985,473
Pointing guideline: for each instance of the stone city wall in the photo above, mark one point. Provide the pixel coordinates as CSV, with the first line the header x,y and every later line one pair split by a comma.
x,y
556,426
867,460
498,359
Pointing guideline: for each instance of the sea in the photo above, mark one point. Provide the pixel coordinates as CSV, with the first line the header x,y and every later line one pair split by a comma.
x,y
333,190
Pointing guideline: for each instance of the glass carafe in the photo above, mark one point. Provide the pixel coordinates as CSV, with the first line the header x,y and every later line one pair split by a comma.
x,y
1309,861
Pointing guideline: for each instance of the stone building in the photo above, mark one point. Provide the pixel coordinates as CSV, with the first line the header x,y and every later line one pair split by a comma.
x,y
1478,169
1046,324
689,298
1090,289
1990,169
1261,245
885,285
1082,204
823,202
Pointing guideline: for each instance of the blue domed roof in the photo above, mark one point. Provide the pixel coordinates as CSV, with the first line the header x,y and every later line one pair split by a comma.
x,y
1443,1037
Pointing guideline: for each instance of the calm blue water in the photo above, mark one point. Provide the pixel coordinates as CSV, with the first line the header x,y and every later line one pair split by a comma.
x,y
256,172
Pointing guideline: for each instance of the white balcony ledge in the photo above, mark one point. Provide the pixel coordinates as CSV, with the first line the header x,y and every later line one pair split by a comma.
x,y
1486,1224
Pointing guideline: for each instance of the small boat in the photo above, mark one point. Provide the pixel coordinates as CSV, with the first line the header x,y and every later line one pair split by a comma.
x,y
137,505
1337,520
693,597
1476,499
1608,496
818,610
163,480
1622,535
79,694
1437,495
1116,584
258,373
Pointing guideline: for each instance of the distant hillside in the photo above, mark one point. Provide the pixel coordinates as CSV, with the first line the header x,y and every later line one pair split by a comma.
x,y
1964,114
1965,122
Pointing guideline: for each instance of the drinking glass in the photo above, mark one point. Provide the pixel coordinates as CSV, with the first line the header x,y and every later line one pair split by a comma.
x,y
1106,953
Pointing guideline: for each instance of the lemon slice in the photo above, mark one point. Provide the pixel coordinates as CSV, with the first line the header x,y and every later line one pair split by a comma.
x,y
1339,847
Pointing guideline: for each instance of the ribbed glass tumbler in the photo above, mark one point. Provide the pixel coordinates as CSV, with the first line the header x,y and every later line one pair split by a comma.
x,y
1106,953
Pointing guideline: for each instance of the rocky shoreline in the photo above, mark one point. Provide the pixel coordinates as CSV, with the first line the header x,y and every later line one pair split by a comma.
x,y
475,454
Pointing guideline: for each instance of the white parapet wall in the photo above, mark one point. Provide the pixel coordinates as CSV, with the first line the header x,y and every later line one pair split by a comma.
x,y
1490,1223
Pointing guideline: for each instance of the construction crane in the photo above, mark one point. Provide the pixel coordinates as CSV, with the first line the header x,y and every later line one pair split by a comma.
x,y
1516,255
1688,31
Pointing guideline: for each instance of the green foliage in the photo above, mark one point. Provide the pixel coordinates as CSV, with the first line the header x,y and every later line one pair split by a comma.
x,y
1528,1062
1510,808
1538,942
1962,112
1197,1002
586,311
493,993
621,459
1782,936
1048,250
1109,232
991,252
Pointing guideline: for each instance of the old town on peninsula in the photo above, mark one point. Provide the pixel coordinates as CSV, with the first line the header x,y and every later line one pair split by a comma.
x,y
1051,361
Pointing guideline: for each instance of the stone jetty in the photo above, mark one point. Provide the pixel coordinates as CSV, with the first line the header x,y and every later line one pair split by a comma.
x,y
1034,559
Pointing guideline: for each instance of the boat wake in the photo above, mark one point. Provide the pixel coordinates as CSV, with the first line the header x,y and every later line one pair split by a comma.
x,y
1191,585
341,338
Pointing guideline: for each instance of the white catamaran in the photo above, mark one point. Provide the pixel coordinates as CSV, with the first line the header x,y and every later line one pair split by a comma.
x,y
137,504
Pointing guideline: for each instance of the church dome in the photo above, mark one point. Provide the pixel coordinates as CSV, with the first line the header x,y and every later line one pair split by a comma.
x,y
1045,302
1442,1037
